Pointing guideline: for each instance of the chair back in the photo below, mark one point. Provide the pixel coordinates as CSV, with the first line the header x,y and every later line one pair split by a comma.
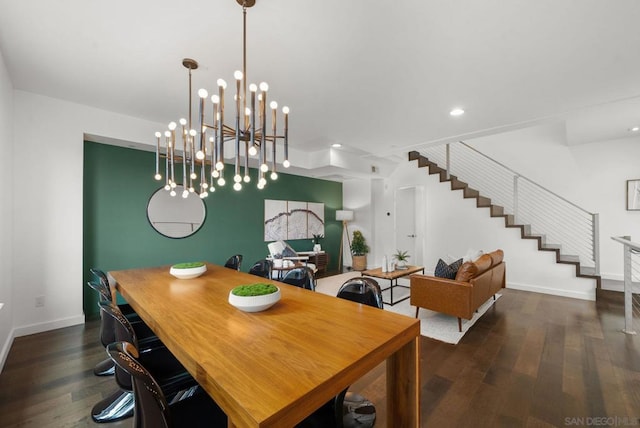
x,y
234,262
102,279
123,332
301,277
151,406
362,290
262,268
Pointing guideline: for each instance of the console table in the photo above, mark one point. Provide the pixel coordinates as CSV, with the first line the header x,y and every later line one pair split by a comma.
x,y
393,277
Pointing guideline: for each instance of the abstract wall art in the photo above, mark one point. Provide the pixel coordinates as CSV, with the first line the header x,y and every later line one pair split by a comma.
x,y
284,220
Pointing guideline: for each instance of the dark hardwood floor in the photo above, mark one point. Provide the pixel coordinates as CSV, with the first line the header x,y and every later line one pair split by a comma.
x,y
532,360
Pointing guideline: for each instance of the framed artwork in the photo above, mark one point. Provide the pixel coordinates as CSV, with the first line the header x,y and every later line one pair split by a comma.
x,y
633,195
285,220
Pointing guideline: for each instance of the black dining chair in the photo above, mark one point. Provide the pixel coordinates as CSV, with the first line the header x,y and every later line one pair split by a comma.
x,y
362,290
262,268
301,277
100,284
348,409
234,262
153,407
169,372
357,410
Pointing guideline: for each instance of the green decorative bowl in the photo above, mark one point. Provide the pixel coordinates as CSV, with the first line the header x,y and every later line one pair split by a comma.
x,y
253,303
188,270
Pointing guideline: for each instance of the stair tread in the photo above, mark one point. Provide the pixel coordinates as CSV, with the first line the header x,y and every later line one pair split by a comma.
x,y
510,221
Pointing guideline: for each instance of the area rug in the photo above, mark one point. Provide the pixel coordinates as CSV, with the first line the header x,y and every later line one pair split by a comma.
x,y
432,324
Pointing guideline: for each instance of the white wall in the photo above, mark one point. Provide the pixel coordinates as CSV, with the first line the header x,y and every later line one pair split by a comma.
x,y
47,238
452,225
357,197
591,175
6,212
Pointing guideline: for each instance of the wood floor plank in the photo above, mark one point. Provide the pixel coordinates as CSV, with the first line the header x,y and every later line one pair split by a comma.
x,y
532,361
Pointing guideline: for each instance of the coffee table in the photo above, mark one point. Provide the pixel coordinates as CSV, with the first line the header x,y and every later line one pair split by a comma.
x,y
393,277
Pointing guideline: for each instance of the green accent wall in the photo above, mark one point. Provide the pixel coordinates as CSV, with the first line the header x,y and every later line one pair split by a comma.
x,y
118,183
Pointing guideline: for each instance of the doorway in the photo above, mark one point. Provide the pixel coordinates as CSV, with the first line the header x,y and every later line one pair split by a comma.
x,y
409,233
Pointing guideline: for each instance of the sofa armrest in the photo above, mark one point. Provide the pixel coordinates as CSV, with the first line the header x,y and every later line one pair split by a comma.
x,y
442,295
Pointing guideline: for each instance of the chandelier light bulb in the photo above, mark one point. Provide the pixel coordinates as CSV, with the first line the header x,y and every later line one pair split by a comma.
x,y
193,132
158,134
219,166
237,187
221,181
222,83
185,193
200,155
167,187
246,179
264,86
274,175
157,177
285,110
205,185
262,181
193,175
273,105
212,189
183,121
253,150
253,87
215,173
172,193
202,93
215,99
264,167
191,189
286,163
237,178
260,186
247,111
203,194
172,126
237,75
167,133
173,185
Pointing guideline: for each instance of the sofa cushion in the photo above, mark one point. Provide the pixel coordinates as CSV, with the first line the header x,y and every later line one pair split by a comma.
x,y
483,264
467,271
443,270
496,257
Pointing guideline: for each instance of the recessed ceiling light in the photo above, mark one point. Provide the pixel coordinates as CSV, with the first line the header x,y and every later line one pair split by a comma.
x,y
456,112
336,145
635,129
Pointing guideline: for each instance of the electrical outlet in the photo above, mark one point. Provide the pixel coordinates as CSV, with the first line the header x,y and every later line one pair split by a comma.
x,y
39,301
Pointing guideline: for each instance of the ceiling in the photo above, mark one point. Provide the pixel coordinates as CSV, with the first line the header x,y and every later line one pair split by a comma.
x,y
379,77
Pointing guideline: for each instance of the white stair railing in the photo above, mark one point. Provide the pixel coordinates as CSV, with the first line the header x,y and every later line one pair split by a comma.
x,y
631,283
560,222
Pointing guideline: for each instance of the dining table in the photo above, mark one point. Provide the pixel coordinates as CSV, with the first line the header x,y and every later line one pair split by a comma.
x,y
276,367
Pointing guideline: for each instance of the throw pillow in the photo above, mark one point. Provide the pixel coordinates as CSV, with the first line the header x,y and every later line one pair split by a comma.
x,y
443,270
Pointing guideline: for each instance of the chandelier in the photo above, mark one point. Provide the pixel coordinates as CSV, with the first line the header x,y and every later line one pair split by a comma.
x,y
202,146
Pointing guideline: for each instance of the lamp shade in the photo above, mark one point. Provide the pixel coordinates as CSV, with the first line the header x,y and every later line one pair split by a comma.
x,y
344,215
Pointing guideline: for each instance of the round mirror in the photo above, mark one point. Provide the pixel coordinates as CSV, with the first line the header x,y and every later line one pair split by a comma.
x,y
175,216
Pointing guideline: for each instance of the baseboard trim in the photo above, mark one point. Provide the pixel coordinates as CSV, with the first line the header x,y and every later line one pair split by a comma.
x,y
574,294
49,325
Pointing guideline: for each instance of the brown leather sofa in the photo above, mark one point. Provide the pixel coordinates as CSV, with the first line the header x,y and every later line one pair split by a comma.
x,y
474,284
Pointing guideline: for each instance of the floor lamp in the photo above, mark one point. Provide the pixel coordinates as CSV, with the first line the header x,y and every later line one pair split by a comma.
x,y
344,216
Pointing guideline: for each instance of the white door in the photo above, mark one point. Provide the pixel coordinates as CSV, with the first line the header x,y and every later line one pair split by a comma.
x,y
406,234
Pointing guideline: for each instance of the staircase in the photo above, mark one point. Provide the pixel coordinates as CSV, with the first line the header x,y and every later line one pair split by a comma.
x,y
523,204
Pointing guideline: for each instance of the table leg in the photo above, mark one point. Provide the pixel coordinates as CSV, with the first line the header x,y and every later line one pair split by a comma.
x,y
403,386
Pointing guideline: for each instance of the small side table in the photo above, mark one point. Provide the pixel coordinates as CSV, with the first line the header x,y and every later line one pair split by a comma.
x,y
282,270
